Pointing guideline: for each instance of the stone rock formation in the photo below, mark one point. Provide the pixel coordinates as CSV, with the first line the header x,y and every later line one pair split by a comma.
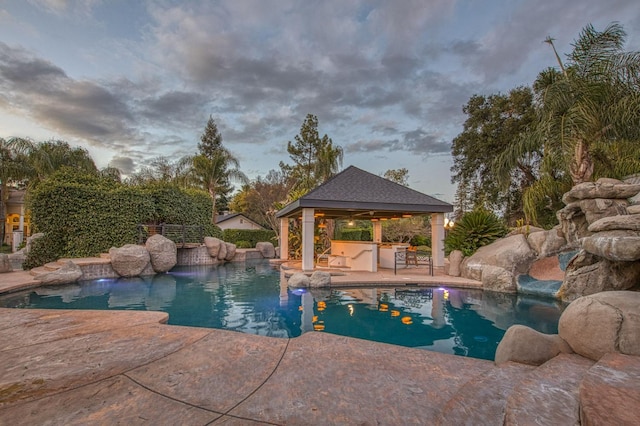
x,y
5,264
129,260
599,221
528,346
299,280
222,251
602,323
455,260
231,251
320,279
512,255
266,249
67,274
213,246
162,252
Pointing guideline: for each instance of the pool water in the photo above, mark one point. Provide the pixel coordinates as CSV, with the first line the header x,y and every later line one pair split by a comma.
x,y
248,297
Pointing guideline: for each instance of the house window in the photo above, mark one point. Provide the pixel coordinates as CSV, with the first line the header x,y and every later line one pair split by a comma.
x,y
241,220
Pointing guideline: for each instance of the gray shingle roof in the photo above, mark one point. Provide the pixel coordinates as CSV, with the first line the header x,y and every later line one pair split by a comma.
x,y
355,190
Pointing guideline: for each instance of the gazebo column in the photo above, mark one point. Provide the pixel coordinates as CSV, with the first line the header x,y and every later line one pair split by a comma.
x,y
308,223
284,238
437,239
377,232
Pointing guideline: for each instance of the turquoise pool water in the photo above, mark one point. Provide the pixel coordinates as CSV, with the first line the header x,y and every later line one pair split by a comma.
x,y
248,297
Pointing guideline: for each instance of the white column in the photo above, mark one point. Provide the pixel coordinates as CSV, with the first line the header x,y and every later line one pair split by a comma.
x,y
21,226
437,239
308,224
377,232
284,238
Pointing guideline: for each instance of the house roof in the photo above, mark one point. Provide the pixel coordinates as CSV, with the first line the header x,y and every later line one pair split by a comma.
x,y
355,192
225,217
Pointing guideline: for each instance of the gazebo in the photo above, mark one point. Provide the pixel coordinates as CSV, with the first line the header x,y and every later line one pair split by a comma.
x,y
357,194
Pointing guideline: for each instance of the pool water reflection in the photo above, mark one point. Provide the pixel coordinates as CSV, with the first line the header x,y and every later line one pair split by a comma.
x,y
249,297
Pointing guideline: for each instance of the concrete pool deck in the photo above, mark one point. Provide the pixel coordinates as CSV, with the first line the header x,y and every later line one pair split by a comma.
x,y
127,367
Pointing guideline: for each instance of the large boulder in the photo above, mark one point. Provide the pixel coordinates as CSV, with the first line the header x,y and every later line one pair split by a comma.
x,y
162,252
599,208
528,346
617,246
320,279
455,261
602,188
213,246
222,251
231,251
589,274
67,274
266,249
129,260
512,254
602,323
5,263
547,243
299,280
495,278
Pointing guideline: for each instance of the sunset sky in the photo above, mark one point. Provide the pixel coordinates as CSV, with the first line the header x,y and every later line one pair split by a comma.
x,y
133,80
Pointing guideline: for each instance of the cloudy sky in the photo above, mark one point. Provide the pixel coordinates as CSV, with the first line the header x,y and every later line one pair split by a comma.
x,y
133,80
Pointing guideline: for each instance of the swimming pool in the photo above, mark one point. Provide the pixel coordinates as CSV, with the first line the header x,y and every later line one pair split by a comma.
x,y
248,297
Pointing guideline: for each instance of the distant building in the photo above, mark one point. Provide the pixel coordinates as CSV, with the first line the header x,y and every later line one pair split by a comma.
x,y
236,221
16,225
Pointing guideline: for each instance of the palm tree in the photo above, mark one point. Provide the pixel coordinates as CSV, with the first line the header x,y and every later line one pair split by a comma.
x,y
213,174
586,113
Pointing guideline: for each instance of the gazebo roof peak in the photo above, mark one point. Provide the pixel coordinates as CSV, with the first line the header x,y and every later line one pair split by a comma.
x,y
355,190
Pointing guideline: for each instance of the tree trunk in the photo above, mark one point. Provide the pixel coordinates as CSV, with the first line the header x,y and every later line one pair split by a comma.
x,y
212,194
582,167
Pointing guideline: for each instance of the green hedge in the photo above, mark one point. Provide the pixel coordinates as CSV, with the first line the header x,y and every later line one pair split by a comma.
x,y
250,236
355,234
84,215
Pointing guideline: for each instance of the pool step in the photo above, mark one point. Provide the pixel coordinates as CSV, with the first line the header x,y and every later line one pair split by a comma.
x,y
482,400
549,395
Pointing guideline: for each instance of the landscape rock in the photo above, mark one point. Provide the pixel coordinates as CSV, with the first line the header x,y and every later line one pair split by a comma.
x,y
67,274
231,251
633,209
528,346
129,260
547,243
5,263
602,188
614,245
589,274
495,278
603,323
266,249
512,254
163,253
320,279
299,280
629,222
599,208
455,261
573,224
222,251
213,246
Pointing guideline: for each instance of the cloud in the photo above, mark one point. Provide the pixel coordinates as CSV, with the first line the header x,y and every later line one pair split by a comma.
x,y
126,165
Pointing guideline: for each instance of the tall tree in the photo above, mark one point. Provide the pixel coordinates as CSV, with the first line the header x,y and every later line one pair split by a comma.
x,y
400,176
315,158
492,126
213,175
47,157
210,140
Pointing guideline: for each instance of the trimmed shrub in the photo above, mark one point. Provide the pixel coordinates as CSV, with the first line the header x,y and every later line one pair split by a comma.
x,y
355,234
252,236
84,215
243,244
474,230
